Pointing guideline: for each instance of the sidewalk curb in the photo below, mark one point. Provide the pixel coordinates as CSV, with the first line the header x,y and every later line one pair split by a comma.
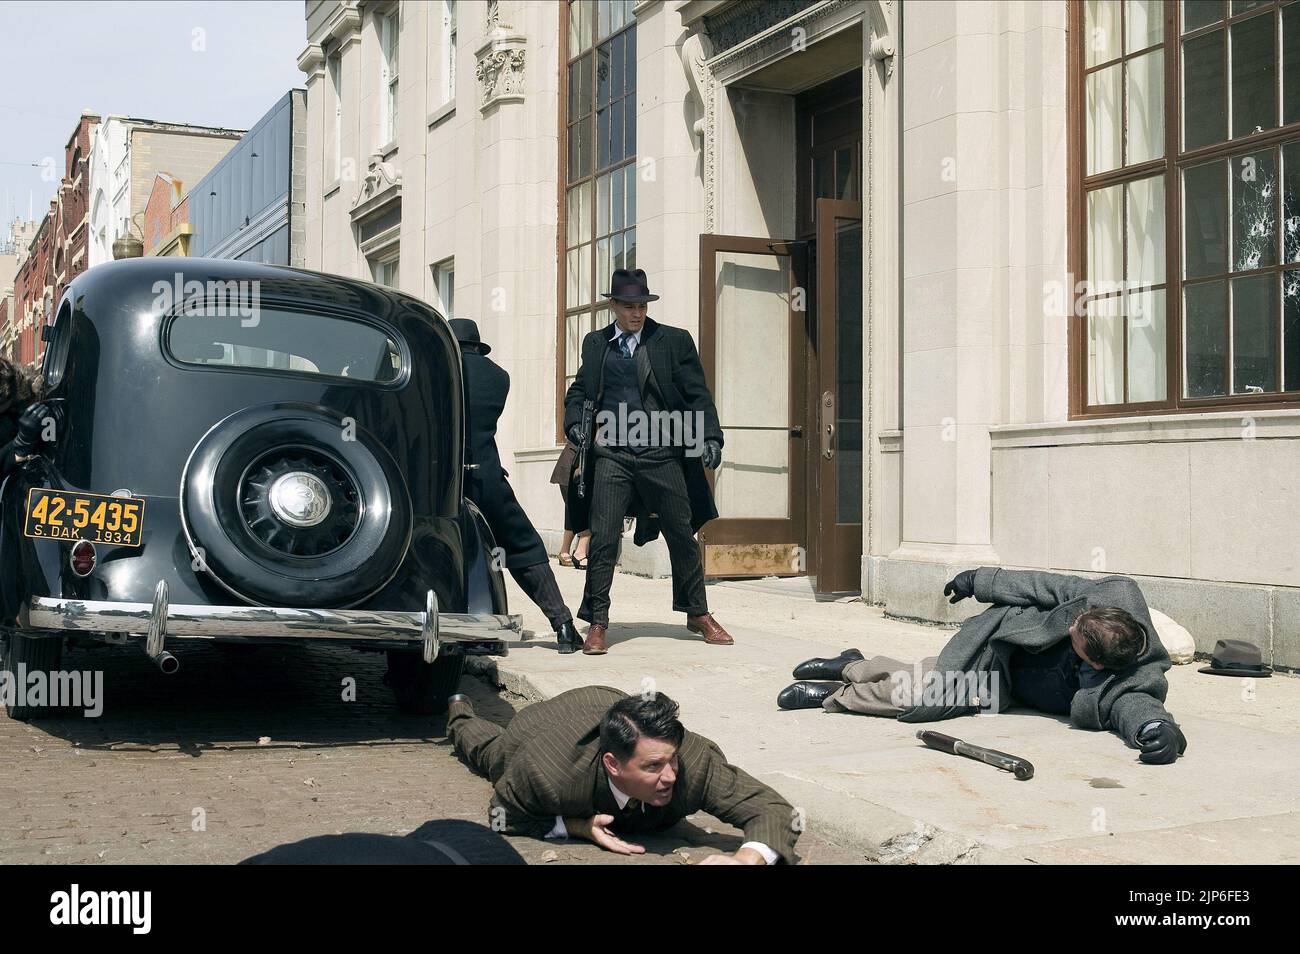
x,y
882,835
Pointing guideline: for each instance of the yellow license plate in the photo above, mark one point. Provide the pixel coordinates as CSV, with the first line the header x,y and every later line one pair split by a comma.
x,y
71,515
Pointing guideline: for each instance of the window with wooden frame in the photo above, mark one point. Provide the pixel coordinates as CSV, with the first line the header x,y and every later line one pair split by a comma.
x,y
597,232
1185,193
388,46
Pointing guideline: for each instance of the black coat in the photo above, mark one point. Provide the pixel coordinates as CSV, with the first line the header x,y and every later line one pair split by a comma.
x,y
666,360
486,387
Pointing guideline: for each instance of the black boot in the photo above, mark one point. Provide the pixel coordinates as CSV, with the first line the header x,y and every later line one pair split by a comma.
x,y
806,695
566,636
826,668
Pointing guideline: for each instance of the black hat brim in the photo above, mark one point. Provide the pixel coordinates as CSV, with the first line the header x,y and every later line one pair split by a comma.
x,y
1257,673
635,299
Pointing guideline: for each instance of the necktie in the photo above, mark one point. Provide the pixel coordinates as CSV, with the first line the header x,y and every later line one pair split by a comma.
x,y
623,346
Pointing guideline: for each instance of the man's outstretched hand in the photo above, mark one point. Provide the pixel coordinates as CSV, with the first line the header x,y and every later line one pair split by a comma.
x,y
596,829
960,586
1161,743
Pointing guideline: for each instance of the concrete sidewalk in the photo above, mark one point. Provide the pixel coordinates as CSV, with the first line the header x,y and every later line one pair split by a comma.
x,y
868,783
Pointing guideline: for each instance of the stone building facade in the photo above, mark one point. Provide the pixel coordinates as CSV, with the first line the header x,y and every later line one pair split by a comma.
x,y
975,282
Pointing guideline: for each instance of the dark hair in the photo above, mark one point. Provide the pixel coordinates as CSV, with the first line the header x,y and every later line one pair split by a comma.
x,y
629,719
1112,637
19,387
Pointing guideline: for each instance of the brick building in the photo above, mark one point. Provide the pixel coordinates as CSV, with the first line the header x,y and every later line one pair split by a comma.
x,y
166,228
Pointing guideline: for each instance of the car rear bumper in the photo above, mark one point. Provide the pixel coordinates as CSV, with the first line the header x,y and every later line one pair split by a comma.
x,y
159,621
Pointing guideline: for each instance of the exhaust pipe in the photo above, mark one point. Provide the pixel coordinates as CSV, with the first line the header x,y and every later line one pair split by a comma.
x,y
167,662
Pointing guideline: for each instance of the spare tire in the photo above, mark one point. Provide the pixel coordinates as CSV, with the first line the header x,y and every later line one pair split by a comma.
x,y
294,505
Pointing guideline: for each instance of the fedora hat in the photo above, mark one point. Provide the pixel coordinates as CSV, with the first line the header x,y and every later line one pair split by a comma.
x,y
1237,657
625,285
466,332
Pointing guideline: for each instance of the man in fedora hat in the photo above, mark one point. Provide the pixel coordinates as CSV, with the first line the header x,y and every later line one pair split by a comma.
x,y
486,387
635,375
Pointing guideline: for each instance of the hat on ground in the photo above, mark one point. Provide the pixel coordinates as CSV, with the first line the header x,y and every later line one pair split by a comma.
x,y
466,332
627,285
1237,657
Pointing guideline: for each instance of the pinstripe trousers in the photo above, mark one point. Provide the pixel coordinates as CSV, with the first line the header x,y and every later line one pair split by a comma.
x,y
656,476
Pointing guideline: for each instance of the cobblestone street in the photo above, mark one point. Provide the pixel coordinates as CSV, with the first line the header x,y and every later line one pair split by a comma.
x,y
255,747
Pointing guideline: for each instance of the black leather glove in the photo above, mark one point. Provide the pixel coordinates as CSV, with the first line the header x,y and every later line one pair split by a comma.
x,y
712,455
575,435
960,586
31,423
1161,743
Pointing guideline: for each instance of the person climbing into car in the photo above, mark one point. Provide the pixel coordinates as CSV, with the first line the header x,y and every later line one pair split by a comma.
x,y
25,421
486,387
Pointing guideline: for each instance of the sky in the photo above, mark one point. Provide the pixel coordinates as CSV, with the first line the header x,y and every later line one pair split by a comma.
x,y
218,63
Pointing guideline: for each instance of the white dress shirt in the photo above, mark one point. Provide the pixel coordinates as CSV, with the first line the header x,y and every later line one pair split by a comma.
x,y
632,342
560,831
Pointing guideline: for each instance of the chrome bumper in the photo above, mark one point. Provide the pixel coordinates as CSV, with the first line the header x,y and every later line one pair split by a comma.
x,y
160,620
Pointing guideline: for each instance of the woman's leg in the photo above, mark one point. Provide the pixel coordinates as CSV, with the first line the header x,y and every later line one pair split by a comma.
x,y
580,548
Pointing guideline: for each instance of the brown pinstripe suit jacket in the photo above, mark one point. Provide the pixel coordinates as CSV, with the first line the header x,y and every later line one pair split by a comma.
x,y
550,759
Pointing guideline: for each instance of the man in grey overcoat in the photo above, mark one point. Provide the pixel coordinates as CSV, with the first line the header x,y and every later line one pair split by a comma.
x,y
1057,643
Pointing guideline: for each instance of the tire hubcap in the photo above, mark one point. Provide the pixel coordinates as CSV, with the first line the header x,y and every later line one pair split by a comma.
x,y
299,502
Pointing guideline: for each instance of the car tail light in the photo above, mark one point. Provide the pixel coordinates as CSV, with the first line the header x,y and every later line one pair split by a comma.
x,y
83,557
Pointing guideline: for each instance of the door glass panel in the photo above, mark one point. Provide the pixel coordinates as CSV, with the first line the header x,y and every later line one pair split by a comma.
x,y
848,371
752,345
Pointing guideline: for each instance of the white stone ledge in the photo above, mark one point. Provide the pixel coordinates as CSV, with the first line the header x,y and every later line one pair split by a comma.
x,y
1278,423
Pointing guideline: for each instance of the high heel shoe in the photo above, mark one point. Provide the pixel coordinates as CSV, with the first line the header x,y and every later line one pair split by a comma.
x,y
566,559
580,564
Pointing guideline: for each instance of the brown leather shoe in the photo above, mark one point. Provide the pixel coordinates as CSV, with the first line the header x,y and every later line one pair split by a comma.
x,y
710,629
594,645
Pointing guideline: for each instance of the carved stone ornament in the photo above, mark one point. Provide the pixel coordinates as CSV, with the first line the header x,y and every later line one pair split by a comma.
x,y
382,184
500,72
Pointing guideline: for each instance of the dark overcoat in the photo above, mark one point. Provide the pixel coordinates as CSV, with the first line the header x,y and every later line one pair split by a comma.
x,y
669,365
1035,610
486,386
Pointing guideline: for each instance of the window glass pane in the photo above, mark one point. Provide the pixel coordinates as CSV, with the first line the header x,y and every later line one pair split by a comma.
x,y
629,58
629,244
1254,76
616,76
1143,24
573,277
1146,231
580,88
1146,346
584,211
574,328
1205,219
1291,330
616,206
1105,240
585,279
602,74
1290,64
580,150
1199,13
616,13
602,138
1205,113
616,153
1146,107
1204,320
823,167
1254,334
572,225
1101,27
602,19
616,251
1291,201
630,171
1103,119
1245,6
603,272
629,126
1105,351
579,26
843,172
1254,210
602,205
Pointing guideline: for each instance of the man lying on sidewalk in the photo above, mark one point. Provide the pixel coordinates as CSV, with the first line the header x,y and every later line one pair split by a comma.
x,y
1059,644
596,763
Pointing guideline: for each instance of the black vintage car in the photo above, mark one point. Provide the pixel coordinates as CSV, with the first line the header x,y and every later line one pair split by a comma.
x,y
249,453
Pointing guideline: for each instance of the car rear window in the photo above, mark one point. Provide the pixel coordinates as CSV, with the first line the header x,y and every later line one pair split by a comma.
x,y
279,339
